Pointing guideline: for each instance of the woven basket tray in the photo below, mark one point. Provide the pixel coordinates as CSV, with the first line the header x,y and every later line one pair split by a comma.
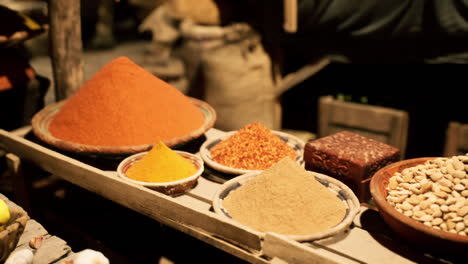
x,y
13,230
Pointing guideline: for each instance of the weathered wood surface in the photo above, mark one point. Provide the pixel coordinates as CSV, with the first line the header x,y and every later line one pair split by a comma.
x,y
368,241
140,199
384,124
52,250
456,139
290,15
302,74
19,185
66,47
294,252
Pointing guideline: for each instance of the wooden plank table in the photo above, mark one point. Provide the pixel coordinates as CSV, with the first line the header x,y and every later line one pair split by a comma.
x,y
367,241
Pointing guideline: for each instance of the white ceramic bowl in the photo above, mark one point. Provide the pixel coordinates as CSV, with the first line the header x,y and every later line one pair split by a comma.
x,y
342,191
173,188
292,141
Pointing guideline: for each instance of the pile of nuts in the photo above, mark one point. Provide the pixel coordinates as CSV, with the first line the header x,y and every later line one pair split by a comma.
x,y
434,193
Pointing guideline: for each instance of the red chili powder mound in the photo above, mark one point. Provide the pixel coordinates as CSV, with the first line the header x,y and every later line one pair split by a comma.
x,y
253,147
124,105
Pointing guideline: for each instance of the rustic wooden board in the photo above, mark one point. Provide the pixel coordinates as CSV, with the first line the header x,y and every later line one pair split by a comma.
x,y
204,190
293,252
369,241
137,198
194,203
368,250
456,139
231,248
384,124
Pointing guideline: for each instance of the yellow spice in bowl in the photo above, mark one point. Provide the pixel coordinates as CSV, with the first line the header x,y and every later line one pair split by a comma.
x,y
285,199
161,164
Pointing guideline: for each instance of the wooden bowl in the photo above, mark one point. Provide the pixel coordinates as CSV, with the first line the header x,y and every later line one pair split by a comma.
x,y
173,188
41,120
419,234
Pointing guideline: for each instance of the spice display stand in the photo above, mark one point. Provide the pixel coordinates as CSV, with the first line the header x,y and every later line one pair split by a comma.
x,y
368,241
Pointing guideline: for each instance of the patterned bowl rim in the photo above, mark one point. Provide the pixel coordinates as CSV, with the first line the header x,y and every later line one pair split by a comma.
x,y
41,121
293,141
129,161
342,190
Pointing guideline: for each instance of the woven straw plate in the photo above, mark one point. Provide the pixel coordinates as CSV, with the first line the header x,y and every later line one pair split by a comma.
x,y
342,191
40,126
13,230
292,141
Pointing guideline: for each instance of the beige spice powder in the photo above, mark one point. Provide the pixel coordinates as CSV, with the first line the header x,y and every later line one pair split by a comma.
x,y
285,199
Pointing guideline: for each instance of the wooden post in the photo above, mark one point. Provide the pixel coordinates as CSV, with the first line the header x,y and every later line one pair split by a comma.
x,y
66,46
20,187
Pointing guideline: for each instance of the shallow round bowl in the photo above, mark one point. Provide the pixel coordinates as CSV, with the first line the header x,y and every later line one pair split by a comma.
x,y
342,191
406,227
205,151
173,188
41,121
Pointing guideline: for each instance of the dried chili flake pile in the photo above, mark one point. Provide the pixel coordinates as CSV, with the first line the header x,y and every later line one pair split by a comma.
x,y
253,147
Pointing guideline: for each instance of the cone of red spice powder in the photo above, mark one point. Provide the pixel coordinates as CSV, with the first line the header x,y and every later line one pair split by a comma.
x,y
253,147
124,105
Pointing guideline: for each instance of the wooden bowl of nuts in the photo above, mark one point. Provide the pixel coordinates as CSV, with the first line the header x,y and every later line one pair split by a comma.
x,y
425,201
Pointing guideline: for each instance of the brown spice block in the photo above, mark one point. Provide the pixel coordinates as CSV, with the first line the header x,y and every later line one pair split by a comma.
x,y
350,158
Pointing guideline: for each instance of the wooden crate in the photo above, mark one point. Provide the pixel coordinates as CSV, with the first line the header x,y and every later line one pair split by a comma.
x,y
368,241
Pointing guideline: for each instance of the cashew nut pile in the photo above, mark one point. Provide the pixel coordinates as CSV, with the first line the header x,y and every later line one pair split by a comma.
x,y
434,193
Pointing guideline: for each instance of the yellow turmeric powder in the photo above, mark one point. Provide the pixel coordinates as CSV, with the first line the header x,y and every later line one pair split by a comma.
x,y
161,164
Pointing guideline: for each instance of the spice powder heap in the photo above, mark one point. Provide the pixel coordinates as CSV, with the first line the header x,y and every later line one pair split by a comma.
x,y
253,147
124,105
285,199
161,164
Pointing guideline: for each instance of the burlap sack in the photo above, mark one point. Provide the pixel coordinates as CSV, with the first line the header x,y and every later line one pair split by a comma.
x,y
236,75
225,66
201,11
159,59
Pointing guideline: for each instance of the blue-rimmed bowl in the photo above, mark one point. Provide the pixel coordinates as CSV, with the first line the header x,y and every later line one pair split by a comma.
x,y
342,191
205,151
